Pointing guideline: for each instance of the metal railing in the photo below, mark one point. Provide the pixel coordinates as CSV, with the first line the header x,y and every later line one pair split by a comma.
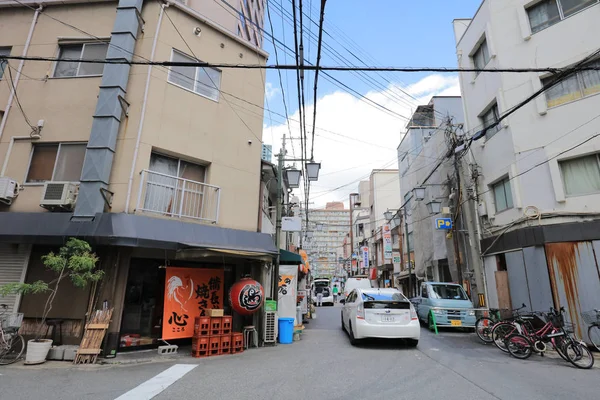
x,y
178,197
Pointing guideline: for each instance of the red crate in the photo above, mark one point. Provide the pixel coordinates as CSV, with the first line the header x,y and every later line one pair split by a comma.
x,y
237,342
214,345
226,323
225,344
201,326
200,347
216,326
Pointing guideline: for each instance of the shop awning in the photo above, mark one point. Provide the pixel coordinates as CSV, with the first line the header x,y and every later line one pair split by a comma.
x,y
130,230
289,258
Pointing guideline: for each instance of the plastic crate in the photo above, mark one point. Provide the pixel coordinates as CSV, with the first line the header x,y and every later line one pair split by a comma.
x,y
270,305
11,321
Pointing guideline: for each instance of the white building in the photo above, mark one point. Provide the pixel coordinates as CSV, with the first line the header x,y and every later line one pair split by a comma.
x,y
538,172
422,147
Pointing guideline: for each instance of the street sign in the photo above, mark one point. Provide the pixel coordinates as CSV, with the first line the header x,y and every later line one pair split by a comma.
x,y
365,256
443,223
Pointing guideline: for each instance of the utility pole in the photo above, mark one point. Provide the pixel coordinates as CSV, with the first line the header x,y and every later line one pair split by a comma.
x,y
280,161
410,291
454,220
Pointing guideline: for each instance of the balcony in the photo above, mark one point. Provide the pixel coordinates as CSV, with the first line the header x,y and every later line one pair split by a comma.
x,y
176,197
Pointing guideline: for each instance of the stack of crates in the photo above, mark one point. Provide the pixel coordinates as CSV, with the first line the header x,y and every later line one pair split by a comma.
x,y
213,336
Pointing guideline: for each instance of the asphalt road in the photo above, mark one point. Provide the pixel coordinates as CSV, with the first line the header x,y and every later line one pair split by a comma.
x,y
323,365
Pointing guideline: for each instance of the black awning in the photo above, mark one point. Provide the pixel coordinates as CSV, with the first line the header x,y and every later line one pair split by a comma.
x,y
289,258
129,230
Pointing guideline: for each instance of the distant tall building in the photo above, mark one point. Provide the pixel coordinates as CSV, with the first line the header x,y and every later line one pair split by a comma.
x,y
245,18
267,152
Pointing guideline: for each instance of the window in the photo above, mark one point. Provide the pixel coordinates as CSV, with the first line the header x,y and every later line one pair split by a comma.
x,y
549,12
424,291
84,51
201,80
56,162
581,175
502,195
488,118
448,292
577,86
481,56
4,51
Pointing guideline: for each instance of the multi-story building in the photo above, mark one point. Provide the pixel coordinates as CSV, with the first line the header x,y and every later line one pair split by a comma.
x,y
245,18
328,228
424,143
384,196
538,170
267,153
149,164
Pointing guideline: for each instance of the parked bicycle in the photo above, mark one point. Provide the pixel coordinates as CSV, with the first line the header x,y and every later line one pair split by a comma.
x,y
485,325
556,332
11,343
592,318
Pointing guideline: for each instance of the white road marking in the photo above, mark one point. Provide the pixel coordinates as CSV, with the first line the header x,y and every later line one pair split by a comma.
x,y
153,386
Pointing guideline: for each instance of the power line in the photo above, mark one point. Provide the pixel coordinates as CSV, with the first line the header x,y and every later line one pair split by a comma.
x,y
318,63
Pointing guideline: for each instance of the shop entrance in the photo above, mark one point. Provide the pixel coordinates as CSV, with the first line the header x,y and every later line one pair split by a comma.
x,y
141,326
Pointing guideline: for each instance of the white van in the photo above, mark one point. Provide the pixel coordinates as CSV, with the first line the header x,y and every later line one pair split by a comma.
x,y
322,285
354,282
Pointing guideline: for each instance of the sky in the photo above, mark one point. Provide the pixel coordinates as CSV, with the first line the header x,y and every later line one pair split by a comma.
x,y
352,134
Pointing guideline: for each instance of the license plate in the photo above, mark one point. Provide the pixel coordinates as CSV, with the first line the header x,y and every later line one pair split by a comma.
x,y
387,318
456,323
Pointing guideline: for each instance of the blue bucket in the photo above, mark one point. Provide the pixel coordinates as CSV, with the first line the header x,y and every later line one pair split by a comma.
x,y
286,330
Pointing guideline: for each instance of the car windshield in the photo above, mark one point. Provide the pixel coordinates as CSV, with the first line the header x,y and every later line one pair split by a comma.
x,y
382,297
448,292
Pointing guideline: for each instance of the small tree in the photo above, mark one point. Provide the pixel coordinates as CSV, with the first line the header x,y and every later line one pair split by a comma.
x,y
74,261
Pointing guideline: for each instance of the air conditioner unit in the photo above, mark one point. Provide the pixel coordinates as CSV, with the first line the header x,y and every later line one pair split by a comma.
x,y
8,190
59,195
270,333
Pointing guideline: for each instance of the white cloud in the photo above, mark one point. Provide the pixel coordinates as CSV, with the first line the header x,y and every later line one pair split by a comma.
x,y
365,137
271,91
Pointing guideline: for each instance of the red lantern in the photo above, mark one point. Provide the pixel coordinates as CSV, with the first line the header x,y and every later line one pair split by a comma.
x,y
246,296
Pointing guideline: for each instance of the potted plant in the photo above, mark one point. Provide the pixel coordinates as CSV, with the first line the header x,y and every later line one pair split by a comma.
x,y
74,261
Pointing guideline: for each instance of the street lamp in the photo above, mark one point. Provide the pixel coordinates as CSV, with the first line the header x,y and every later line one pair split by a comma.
x,y
312,170
419,193
434,207
293,177
387,215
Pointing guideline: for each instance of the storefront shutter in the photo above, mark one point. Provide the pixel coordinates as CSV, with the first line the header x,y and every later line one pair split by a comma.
x,y
13,264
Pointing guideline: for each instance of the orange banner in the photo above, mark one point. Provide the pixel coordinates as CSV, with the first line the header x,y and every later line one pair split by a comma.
x,y
188,293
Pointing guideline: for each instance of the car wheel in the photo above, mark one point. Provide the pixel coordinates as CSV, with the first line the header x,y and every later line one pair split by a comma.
x,y
412,342
353,340
343,327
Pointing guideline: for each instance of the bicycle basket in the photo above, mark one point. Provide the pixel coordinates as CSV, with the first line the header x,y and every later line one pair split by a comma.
x,y
557,320
12,321
569,328
591,317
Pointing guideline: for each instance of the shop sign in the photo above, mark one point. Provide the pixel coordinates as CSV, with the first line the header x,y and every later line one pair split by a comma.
x,y
189,292
365,256
387,243
396,260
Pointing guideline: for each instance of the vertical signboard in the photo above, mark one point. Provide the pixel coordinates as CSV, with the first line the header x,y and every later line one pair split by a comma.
x,y
396,261
189,292
365,256
387,244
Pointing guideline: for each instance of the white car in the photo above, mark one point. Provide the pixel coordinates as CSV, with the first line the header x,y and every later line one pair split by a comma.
x,y
380,313
323,286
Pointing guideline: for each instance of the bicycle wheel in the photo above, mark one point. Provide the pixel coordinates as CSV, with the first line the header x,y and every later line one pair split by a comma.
x,y
594,335
500,332
14,350
483,328
519,346
579,355
559,344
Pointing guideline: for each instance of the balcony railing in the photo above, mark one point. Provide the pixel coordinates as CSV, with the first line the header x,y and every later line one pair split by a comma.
x,y
178,197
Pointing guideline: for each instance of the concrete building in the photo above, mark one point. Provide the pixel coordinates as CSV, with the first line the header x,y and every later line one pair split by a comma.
x,y
537,174
424,143
325,245
384,195
151,165
245,18
267,153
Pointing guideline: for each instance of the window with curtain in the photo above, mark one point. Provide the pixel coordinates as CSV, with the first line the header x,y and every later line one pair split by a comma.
x,y
581,175
481,56
576,86
56,162
549,12
490,117
76,52
204,81
502,195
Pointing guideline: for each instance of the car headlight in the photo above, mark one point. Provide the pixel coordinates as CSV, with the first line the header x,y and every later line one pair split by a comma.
x,y
471,313
437,311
